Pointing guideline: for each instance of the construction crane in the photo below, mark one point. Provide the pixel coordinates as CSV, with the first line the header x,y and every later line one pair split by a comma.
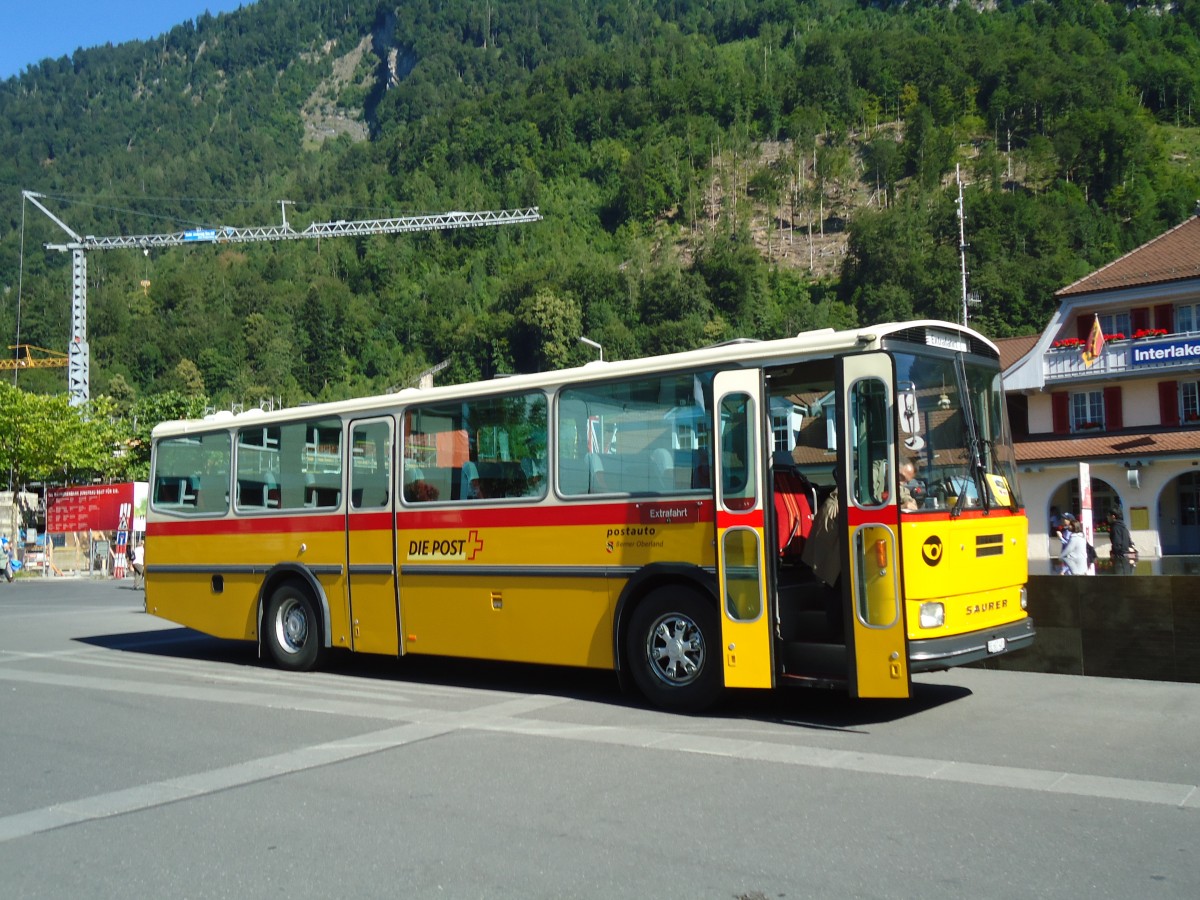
x,y
23,358
78,375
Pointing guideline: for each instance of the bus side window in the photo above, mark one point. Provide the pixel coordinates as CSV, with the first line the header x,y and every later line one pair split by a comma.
x,y
641,436
477,449
192,474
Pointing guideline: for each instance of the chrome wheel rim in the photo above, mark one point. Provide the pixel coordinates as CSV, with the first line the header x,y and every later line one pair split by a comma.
x,y
291,626
675,649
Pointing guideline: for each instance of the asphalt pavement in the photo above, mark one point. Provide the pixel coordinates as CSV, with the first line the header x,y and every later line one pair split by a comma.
x,y
138,758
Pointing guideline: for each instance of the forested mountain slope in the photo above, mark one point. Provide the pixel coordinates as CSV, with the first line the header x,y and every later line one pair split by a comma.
x,y
706,170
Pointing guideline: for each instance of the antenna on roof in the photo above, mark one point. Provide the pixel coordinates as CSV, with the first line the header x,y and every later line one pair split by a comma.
x,y
968,299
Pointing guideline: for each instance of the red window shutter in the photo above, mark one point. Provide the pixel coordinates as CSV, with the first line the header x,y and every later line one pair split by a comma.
x,y
1164,317
1139,319
1168,402
1083,325
1113,417
1061,407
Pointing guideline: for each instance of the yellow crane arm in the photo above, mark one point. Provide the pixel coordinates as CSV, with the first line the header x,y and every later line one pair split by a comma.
x,y
23,357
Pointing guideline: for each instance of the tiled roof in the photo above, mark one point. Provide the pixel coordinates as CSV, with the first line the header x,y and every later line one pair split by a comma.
x,y
1012,349
1173,256
1052,448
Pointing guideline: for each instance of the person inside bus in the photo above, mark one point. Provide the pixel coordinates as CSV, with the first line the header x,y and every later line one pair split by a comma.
x,y
470,488
909,487
905,483
822,551
823,554
597,482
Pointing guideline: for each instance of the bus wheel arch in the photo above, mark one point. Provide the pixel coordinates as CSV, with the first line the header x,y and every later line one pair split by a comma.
x,y
293,619
645,581
671,644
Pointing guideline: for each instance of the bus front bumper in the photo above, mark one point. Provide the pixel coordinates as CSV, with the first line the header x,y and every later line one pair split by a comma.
x,y
958,650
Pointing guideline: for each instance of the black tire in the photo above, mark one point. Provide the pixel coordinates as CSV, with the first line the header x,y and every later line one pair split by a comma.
x,y
291,628
673,649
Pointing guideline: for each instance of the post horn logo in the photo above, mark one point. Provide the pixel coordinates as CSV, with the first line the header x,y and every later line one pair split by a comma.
x,y
931,551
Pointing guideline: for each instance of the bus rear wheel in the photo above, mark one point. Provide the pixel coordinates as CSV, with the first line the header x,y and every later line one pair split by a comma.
x,y
291,630
673,648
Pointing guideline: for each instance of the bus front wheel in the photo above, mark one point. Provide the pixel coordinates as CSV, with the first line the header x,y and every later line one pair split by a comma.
x,y
673,648
291,630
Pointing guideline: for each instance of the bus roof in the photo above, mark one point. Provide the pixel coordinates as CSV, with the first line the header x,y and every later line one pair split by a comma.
x,y
824,340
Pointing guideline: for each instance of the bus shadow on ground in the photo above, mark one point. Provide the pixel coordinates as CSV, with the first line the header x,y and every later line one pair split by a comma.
x,y
805,708
835,710
177,643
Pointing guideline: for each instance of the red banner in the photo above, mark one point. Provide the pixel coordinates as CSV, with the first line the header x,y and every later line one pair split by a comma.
x,y
95,507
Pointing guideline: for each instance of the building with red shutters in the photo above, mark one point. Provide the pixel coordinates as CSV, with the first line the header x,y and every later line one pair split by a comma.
x,y
1132,413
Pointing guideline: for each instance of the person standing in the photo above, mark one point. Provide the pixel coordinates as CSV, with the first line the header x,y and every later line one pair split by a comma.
x,y
6,558
1074,556
1118,533
137,562
1063,532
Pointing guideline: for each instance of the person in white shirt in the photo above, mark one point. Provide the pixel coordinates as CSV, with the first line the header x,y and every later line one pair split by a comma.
x,y
1074,556
137,562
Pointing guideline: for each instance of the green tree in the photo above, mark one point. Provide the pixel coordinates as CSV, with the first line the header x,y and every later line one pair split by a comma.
x,y
546,330
44,438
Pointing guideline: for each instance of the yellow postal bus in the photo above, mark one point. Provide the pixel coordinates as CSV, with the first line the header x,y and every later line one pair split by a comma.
x,y
833,509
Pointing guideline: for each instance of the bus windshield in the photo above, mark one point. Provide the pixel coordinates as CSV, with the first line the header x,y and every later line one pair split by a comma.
x,y
955,447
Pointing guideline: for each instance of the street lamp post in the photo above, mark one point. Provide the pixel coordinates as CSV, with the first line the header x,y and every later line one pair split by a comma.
x,y
593,344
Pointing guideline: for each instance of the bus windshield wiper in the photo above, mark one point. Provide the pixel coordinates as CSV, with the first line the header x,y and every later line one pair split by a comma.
x,y
973,439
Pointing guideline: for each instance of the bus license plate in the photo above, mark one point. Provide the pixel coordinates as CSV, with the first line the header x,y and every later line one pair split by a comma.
x,y
997,645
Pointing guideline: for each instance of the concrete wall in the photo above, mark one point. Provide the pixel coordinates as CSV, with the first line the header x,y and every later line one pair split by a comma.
x,y
1112,626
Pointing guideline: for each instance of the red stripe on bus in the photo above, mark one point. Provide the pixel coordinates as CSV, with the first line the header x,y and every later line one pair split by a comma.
x,y
857,517
752,519
888,515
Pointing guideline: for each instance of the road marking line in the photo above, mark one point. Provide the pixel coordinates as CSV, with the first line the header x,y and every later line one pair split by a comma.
x,y
148,796
504,716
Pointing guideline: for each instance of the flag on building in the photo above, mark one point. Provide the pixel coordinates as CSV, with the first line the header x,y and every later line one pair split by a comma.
x,y
1094,345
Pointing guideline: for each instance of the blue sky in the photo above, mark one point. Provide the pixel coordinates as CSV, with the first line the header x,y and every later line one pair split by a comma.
x,y
31,30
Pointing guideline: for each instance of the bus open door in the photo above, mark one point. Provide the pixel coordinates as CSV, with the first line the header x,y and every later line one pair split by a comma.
x,y
876,648
740,515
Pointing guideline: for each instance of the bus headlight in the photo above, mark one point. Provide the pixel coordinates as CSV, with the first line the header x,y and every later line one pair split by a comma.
x,y
933,615
1024,598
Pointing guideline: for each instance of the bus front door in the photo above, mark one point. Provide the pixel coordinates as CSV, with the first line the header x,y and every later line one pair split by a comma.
x,y
745,620
371,539
877,652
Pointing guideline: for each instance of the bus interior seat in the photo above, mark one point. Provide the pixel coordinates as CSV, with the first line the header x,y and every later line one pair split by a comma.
x,y
663,466
795,505
371,493
572,475
176,490
598,482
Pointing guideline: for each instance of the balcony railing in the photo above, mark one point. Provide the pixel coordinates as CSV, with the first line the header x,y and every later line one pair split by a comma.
x,y
1126,357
